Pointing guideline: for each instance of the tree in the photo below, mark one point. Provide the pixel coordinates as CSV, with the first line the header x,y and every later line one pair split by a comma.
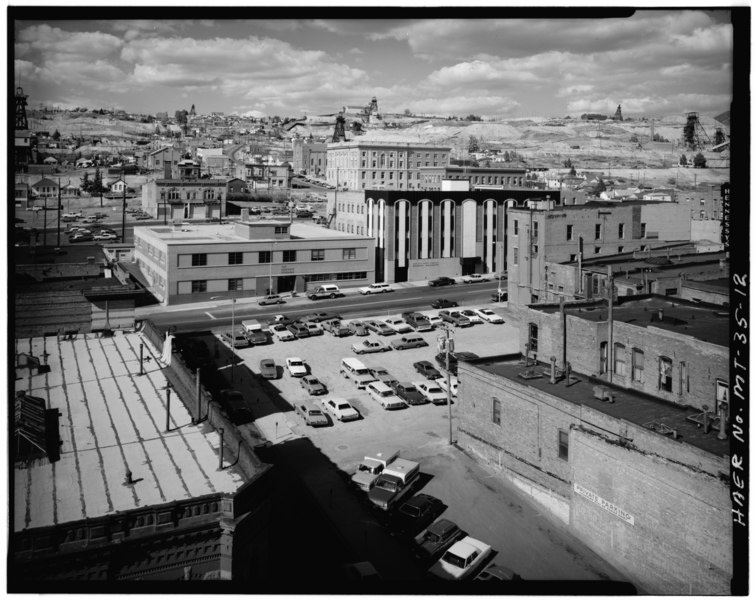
x,y
700,161
473,144
567,163
56,135
573,172
683,160
506,156
407,112
599,187
85,183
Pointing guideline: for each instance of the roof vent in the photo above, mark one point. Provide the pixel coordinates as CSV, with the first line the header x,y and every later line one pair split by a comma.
x,y
603,393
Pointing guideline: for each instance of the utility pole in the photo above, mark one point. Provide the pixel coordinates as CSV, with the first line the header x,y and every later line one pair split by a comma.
x,y
448,343
57,245
123,217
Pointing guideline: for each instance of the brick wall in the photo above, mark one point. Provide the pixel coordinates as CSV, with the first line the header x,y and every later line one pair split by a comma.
x,y
680,540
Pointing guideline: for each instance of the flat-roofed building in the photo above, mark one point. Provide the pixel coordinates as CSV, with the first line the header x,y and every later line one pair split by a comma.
x,y
617,423
187,263
309,156
185,199
478,177
362,165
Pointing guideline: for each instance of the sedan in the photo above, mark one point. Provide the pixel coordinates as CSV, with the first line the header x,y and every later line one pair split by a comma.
x,y
81,237
474,278
488,315
236,406
237,340
472,315
461,559
500,296
444,303
432,392
426,368
369,346
414,514
399,325
314,329
319,317
455,318
268,369
441,281
270,299
313,386
496,573
408,392
412,340
282,334
436,538
380,327
296,367
299,329
105,236
382,374
443,384
341,409
313,417
358,328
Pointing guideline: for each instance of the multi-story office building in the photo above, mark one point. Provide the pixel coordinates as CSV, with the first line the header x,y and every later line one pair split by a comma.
x,y
536,237
616,420
311,157
248,258
432,178
362,165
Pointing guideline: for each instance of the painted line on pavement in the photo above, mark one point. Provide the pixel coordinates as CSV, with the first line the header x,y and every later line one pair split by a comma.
x,y
210,315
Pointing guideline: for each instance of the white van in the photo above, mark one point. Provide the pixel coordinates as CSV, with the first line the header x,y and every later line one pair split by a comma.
x,y
354,369
325,291
384,394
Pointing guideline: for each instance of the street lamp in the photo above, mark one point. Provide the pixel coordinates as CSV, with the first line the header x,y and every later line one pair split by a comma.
x,y
233,330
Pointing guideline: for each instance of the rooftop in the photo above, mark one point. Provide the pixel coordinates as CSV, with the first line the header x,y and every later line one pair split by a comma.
x,y
112,420
705,322
224,233
629,405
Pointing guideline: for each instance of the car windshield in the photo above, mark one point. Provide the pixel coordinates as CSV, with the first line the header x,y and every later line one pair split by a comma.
x,y
410,388
434,390
295,363
453,559
386,485
344,406
315,413
410,510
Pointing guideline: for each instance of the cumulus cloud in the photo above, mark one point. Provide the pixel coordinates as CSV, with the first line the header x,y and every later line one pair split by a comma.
x,y
53,41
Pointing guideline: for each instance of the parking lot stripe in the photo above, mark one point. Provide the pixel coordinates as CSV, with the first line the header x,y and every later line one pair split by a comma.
x,y
210,315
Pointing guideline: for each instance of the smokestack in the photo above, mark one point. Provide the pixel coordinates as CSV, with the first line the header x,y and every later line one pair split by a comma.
x,y
553,369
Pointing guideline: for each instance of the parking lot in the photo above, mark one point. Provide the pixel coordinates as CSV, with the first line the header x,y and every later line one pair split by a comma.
x,y
527,540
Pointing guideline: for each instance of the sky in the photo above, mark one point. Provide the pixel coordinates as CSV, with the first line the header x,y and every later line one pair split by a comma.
x,y
653,63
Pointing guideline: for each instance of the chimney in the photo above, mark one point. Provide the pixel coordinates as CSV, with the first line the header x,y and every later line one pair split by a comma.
x,y
244,215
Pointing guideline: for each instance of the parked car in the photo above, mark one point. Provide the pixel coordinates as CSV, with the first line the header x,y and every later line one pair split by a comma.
x,y
437,537
237,408
494,573
237,339
104,236
268,368
418,321
453,359
384,394
382,374
434,320
475,278
399,325
455,318
369,346
439,281
296,367
500,296
319,317
410,340
431,391
313,386
336,328
408,392
444,303
341,409
282,320
379,327
314,329
359,328
71,215
472,315
376,288
312,416
299,329
426,368
461,559
282,334
81,237
414,514
488,315
443,384
270,299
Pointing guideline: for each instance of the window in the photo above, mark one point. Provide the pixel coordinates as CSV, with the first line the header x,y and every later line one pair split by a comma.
x,y
603,357
198,260
621,231
265,256
516,256
620,249
281,230
349,254
563,444
235,258
597,249
235,285
597,231
516,227
664,374
289,256
318,255
619,360
643,229
638,365
534,250
496,411
533,337
572,257
569,232
198,286
683,377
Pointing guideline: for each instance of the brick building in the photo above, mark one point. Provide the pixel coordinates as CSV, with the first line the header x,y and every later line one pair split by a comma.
x,y
360,165
185,199
537,237
628,449
248,259
431,178
309,156
164,159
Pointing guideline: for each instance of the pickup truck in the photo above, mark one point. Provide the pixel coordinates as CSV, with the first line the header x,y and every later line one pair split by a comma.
x,y
370,467
254,332
455,318
336,328
418,321
396,481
